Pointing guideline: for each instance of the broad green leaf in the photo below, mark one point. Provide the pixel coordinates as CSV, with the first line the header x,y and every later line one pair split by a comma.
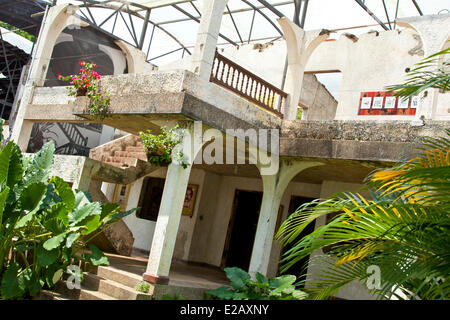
x,y
45,256
71,238
55,242
15,170
34,284
282,282
261,278
3,197
82,198
109,209
80,213
237,276
57,212
40,165
91,224
32,196
53,274
96,257
30,199
11,286
5,158
64,191
223,293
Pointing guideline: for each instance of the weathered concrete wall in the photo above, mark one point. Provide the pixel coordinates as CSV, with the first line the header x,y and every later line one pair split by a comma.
x,y
316,101
379,59
357,140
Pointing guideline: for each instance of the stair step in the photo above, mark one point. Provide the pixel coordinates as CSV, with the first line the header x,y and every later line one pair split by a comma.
x,y
84,293
135,149
123,277
112,288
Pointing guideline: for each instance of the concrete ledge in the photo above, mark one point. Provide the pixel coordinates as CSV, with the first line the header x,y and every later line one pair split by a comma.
x,y
346,149
358,130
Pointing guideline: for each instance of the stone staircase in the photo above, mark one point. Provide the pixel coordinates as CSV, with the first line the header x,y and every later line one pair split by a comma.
x,y
123,152
99,283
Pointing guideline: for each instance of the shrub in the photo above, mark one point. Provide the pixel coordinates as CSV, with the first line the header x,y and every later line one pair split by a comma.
x,y
160,148
43,222
244,288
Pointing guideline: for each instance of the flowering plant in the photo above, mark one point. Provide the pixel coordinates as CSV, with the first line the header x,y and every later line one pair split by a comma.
x,y
85,84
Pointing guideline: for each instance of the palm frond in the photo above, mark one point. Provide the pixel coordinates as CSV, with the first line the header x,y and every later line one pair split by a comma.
x,y
420,78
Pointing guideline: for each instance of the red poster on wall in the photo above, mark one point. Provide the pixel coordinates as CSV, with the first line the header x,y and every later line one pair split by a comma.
x,y
385,103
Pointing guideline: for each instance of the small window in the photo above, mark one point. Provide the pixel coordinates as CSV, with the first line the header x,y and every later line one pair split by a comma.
x,y
150,199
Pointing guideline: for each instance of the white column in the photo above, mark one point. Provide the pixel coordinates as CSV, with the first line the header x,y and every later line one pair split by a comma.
x,y
208,32
167,224
170,210
300,45
83,179
273,188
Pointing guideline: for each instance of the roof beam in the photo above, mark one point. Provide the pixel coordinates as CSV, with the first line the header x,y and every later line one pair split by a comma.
x,y
372,14
417,7
271,8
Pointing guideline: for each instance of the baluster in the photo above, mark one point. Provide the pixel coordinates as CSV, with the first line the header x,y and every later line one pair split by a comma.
x,y
220,70
232,78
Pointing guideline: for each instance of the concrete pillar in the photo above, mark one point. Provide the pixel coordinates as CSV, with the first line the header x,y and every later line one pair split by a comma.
x,y
166,229
300,45
273,188
208,32
83,180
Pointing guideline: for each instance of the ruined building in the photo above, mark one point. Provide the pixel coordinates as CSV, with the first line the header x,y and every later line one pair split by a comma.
x,y
238,87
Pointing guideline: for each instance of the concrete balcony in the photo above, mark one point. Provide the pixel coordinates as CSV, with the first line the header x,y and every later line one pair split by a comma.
x,y
142,101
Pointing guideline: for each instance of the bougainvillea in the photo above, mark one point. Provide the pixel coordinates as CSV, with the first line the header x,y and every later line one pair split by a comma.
x,y
86,84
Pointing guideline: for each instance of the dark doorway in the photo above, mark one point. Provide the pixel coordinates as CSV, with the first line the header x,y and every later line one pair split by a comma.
x,y
242,229
300,268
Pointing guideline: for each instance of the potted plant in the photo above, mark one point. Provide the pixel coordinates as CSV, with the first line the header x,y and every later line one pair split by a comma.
x,y
160,148
85,84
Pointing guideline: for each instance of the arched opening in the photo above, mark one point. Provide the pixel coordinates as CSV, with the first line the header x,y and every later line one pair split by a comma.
x,y
76,44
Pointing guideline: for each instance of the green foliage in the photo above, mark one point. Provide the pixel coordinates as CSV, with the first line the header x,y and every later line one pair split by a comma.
x,y
175,296
429,73
404,230
299,114
43,223
142,287
244,288
85,84
161,148
20,32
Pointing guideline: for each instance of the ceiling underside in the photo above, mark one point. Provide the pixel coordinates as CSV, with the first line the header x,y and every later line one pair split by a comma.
x,y
351,172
